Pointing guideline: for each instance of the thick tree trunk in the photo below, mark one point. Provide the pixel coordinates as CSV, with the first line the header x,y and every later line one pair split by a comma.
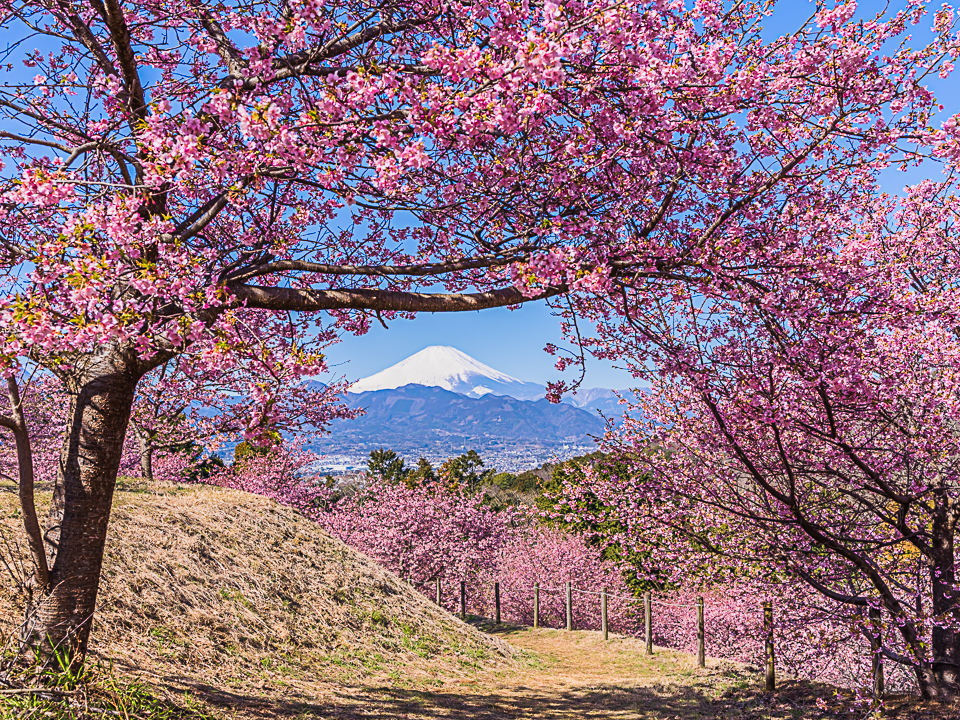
x,y
102,397
944,677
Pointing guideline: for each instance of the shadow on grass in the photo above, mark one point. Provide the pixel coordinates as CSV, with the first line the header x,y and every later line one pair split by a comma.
x,y
599,701
691,696
791,701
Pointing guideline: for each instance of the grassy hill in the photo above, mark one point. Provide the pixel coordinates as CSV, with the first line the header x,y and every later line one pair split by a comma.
x,y
217,591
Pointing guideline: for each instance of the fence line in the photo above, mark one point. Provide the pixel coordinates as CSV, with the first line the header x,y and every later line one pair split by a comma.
x,y
769,656
648,602
611,595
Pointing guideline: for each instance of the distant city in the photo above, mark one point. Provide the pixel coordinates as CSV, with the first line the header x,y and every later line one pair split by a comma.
x,y
506,460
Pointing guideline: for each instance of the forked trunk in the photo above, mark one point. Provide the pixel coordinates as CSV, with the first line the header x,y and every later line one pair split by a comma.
x,y
101,401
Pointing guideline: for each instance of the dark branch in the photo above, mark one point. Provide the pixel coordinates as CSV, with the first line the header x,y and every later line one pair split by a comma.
x,y
304,300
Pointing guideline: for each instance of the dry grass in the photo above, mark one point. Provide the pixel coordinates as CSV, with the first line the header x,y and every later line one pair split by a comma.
x,y
217,588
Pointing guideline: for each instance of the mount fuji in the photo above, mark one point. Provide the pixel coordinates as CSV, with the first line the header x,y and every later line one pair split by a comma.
x,y
448,368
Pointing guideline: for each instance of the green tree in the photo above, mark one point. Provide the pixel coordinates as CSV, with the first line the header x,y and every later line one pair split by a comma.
x,y
387,465
565,495
526,482
422,475
465,471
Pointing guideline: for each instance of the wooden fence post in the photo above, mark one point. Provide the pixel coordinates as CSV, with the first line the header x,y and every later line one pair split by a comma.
x,y
603,613
875,645
569,607
496,601
463,600
648,621
438,591
536,605
771,670
701,636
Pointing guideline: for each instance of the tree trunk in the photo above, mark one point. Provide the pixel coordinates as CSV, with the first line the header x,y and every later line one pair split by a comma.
x,y
101,400
145,442
944,680
17,423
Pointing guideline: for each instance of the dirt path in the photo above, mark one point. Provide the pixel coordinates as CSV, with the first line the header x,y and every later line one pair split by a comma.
x,y
558,675
577,675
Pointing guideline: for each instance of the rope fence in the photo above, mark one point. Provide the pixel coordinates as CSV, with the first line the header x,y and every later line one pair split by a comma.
x,y
649,602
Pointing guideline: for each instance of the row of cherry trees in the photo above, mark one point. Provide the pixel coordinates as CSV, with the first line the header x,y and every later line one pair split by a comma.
x,y
803,430
447,533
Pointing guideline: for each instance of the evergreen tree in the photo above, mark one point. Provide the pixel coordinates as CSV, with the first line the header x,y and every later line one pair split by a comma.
x,y
387,465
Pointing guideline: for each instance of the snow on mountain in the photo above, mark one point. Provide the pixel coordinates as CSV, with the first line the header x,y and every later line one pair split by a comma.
x,y
448,368
594,399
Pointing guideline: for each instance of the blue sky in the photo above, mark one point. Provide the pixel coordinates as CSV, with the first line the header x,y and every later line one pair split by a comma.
x,y
512,340
508,340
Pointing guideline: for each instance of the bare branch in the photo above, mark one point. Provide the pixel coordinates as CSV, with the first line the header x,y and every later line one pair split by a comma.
x,y
301,300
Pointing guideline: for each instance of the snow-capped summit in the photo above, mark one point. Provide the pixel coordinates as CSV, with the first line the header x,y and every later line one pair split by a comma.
x,y
448,368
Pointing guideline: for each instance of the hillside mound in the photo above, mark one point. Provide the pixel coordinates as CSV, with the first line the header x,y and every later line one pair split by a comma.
x,y
211,588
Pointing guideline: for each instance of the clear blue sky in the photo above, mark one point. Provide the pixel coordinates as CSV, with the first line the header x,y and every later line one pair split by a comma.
x,y
513,341
509,340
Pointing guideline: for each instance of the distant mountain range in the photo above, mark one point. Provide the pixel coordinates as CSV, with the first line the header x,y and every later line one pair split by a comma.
x,y
594,399
415,412
441,402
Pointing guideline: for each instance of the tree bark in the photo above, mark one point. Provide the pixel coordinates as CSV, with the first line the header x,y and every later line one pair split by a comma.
x,y
145,442
943,682
17,423
102,395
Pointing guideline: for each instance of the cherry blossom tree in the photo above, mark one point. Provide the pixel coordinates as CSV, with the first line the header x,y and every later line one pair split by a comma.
x,y
281,473
162,414
172,167
807,430
424,534
547,557
33,413
181,407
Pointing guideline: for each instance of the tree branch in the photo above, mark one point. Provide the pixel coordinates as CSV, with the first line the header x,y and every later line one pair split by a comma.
x,y
301,63
18,425
300,300
225,49
120,34
480,261
824,590
82,32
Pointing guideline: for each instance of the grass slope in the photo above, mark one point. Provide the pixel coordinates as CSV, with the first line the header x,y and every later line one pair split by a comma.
x,y
219,591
